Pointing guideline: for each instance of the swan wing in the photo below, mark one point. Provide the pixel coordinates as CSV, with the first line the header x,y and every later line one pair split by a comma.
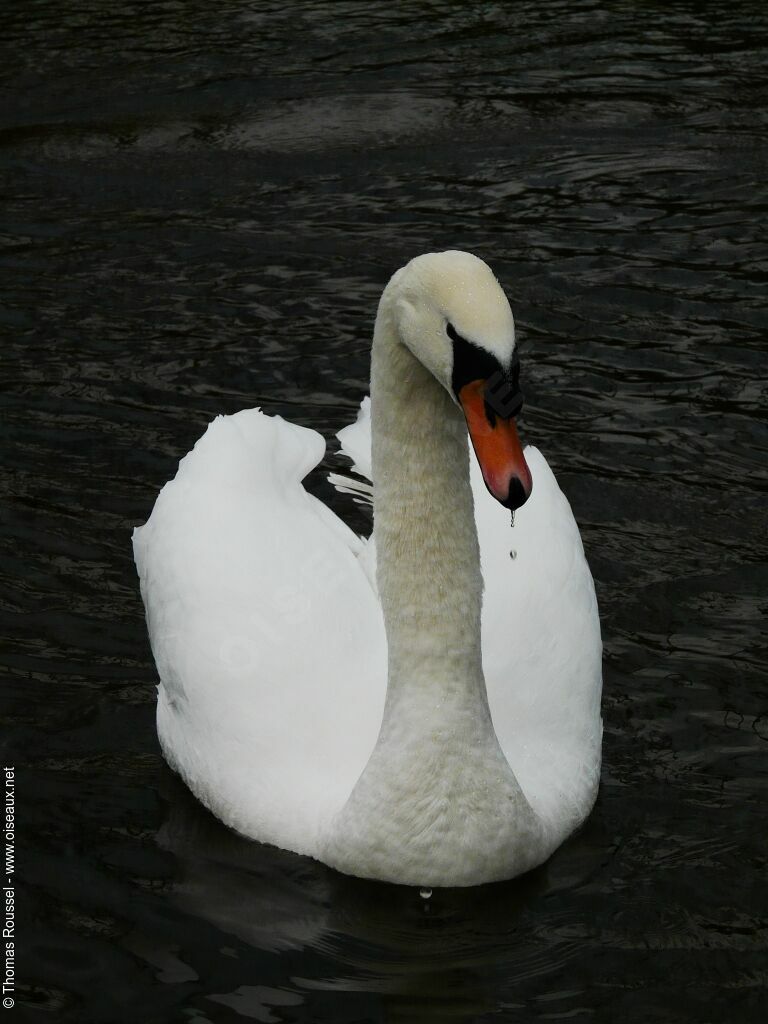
x,y
542,650
267,634
356,440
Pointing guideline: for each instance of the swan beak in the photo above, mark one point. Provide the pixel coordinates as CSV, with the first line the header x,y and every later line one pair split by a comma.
x,y
497,447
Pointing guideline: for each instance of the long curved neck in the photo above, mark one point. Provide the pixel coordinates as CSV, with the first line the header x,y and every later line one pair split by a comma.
x,y
437,802
428,555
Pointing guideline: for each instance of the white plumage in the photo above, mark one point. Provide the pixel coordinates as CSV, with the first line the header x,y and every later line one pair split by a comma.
x,y
269,637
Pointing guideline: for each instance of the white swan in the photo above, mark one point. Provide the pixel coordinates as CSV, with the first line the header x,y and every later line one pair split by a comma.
x,y
309,708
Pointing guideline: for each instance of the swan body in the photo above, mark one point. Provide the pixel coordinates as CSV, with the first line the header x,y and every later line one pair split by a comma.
x,y
417,707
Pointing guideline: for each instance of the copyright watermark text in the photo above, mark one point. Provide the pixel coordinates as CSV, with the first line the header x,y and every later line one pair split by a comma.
x,y
9,889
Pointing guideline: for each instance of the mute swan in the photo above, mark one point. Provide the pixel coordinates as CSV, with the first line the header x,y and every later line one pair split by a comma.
x,y
331,698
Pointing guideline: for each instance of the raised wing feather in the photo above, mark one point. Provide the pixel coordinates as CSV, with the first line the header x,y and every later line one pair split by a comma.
x,y
268,638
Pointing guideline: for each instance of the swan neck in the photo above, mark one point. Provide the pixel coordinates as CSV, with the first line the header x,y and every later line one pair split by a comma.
x,y
428,555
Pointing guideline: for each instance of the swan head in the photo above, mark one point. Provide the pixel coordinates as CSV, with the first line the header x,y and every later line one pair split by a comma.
x,y
453,315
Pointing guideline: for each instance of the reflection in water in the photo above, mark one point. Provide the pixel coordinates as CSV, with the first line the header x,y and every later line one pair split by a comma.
x,y
432,958
201,204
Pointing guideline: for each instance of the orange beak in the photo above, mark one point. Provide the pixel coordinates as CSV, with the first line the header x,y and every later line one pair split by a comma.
x,y
497,447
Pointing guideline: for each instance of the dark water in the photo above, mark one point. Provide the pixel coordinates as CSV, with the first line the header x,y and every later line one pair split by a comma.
x,y
200,205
